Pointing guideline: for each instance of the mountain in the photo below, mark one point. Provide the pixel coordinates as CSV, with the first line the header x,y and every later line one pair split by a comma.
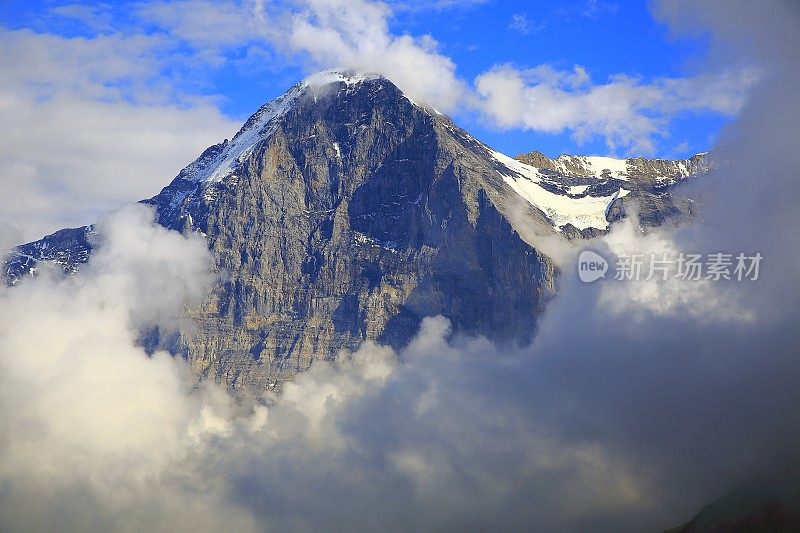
x,y
345,211
755,508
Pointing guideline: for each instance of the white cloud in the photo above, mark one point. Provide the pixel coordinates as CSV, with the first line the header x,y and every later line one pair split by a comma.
x,y
355,34
602,424
203,23
91,126
90,423
628,114
99,435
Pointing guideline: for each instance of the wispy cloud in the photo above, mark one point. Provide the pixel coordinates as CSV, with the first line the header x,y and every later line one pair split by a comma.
x,y
520,24
98,17
435,5
523,25
202,23
588,9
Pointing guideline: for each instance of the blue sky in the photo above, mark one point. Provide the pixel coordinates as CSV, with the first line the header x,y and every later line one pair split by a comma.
x,y
150,84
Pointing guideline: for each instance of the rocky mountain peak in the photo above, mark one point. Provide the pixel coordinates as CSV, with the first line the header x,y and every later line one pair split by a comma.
x,y
222,159
343,211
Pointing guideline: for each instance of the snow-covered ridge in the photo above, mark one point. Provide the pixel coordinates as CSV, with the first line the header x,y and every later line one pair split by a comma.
x,y
656,171
579,190
570,189
257,127
226,161
582,212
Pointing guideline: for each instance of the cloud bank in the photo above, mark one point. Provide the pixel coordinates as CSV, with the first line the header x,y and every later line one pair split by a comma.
x,y
355,35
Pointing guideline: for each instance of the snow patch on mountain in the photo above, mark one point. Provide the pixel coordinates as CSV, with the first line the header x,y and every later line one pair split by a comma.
x,y
584,212
617,167
326,77
258,127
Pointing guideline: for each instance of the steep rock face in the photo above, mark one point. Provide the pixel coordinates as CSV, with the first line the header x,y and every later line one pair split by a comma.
x,y
353,214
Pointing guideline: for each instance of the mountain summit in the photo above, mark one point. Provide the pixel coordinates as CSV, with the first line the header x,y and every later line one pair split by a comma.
x,y
344,211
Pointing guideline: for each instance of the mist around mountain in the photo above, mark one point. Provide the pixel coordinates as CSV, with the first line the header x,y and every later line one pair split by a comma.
x,y
344,211
632,407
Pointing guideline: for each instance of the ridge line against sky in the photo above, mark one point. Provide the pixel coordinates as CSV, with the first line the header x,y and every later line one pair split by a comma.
x,y
108,101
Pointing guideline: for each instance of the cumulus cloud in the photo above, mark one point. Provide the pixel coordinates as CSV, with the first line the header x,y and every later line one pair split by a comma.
x,y
97,434
91,126
355,35
598,425
627,113
89,421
